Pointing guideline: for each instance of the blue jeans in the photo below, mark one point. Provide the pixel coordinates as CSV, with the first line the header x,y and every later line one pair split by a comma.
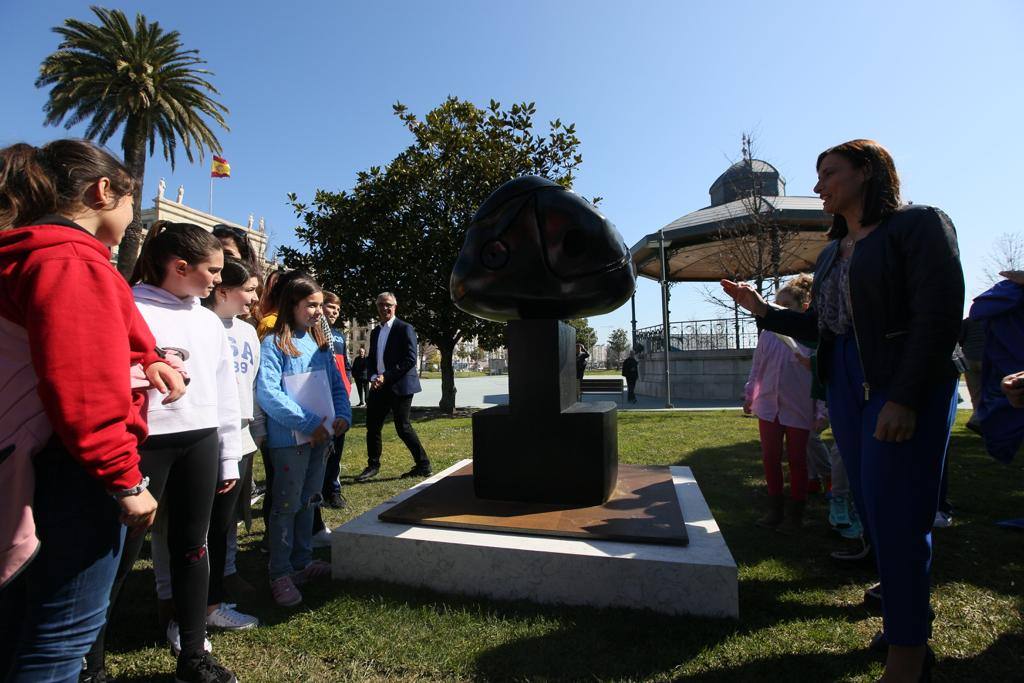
x,y
298,478
895,487
51,613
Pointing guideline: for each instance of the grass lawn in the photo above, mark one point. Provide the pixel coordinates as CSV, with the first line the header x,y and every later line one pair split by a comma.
x,y
598,373
461,374
801,617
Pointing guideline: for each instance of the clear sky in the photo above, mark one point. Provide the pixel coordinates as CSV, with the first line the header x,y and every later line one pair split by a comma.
x,y
660,93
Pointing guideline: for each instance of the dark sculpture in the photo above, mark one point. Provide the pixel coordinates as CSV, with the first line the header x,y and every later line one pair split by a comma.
x,y
536,253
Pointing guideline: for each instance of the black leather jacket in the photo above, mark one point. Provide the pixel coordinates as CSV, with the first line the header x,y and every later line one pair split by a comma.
x,y
907,295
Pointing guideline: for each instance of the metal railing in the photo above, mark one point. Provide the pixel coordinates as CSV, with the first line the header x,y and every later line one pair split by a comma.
x,y
700,335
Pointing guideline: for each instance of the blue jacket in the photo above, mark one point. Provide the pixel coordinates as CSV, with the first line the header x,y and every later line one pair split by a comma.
x,y
400,353
283,414
1001,309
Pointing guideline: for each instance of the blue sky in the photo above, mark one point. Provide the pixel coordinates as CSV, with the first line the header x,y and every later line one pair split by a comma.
x,y
660,93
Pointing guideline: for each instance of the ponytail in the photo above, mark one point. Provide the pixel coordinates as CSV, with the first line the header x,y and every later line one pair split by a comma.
x,y
35,181
166,240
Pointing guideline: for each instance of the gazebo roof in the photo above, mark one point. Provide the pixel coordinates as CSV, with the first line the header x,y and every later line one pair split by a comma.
x,y
697,244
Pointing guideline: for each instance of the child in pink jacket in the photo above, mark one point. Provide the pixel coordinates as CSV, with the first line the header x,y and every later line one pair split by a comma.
x,y
778,392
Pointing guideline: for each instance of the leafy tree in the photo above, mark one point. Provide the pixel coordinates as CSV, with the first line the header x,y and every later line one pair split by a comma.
x,y
136,78
585,334
618,343
402,226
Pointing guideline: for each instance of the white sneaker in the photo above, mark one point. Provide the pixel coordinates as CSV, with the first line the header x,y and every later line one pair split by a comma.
x,y
230,619
322,538
174,639
943,520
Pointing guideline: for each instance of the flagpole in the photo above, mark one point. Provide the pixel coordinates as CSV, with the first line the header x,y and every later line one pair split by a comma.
x,y
211,194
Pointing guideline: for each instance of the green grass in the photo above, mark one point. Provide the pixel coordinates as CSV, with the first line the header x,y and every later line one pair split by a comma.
x,y
616,372
461,374
800,615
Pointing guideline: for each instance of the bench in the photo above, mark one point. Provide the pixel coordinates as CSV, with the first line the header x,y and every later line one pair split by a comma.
x,y
602,385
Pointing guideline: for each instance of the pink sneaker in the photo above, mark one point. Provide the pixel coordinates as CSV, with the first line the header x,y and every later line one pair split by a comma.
x,y
284,591
314,570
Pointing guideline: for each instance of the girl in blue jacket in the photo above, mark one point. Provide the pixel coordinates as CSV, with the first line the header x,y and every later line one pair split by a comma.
x,y
297,436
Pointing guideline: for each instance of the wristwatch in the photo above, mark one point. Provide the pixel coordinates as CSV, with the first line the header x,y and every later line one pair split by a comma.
x,y
133,491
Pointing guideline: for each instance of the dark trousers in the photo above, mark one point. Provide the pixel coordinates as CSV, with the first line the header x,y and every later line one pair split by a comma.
x,y
51,613
631,389
895,487
361,388
223,515
379,403
332,483
182,470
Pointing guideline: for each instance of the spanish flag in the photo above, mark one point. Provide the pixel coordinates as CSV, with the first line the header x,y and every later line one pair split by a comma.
x,y
220,168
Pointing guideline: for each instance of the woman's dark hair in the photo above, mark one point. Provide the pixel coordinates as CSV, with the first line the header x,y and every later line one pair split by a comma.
x,y
295,289
54,178
166,240
331,298
799,288
245,248
235,274
881,190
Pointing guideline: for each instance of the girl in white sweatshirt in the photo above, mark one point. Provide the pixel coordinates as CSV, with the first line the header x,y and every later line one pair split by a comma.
x,y
194,445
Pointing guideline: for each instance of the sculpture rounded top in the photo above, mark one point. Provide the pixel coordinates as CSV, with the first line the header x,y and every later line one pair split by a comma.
x,y
537,250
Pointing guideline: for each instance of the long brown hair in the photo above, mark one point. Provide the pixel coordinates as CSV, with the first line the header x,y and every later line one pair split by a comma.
x,y
296,289
881,189
166,240
54,178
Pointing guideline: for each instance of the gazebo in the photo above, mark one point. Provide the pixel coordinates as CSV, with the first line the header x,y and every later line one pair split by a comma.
x,y
751,230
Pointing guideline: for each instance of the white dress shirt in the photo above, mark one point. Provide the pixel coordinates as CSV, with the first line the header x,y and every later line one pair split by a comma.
x,y
382,340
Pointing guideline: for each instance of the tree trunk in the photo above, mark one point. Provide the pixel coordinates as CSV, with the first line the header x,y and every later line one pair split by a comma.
x,y
134,146
447,404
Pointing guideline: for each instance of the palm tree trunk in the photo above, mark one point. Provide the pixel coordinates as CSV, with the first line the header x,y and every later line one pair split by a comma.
x,y
134,146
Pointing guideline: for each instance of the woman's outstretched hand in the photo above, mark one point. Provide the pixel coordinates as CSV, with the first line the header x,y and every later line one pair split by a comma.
x,y
746,296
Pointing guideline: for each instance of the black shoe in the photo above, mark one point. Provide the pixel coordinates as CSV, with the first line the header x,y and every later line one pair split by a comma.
x,y
368,474
98,676
202,668
861,552
337,501
873,597
418,471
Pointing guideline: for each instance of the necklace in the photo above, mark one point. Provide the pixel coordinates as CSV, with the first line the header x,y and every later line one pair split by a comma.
x,y
848,243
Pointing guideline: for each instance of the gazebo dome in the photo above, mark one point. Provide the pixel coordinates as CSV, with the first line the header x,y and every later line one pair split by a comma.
x,y
741,179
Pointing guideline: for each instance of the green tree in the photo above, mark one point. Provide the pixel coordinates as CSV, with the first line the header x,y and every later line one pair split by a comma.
x,y
402,226
618,343
136,78
585,334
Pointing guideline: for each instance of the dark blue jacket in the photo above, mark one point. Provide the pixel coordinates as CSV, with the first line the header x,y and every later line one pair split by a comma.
x,y
400,355
1001,309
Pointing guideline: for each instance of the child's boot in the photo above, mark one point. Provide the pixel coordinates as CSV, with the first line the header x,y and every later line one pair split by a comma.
x,y
773,517
794,520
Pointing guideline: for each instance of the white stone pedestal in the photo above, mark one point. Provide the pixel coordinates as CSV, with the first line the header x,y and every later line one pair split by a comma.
x,y
700,578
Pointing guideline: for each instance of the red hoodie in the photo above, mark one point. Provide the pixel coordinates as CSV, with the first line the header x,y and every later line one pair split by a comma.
x,y
84,332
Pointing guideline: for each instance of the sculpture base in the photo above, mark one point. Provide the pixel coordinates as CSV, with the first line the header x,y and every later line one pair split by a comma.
x,y
700,578
642,509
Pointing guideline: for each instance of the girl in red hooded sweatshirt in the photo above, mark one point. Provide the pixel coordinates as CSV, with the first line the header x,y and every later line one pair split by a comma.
x,y
71,427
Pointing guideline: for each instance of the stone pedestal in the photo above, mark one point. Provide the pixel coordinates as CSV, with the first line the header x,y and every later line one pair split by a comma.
x,y
700,578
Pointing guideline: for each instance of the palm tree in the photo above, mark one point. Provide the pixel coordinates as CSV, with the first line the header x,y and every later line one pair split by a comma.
x,y
140,78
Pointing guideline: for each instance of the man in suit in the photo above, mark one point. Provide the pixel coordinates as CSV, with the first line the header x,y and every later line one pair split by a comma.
x,y
393,381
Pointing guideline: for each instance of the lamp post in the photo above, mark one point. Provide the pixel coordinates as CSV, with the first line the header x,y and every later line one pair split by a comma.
x,y
632,304
664,317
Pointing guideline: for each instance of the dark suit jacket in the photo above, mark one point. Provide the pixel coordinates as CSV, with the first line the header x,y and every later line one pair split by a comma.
x,y
400,354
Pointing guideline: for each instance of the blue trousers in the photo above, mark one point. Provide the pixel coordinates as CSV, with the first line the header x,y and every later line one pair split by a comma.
x,y
51,613
895,487
298,478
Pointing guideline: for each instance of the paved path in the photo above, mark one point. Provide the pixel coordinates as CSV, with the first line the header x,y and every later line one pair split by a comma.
x,y
482,392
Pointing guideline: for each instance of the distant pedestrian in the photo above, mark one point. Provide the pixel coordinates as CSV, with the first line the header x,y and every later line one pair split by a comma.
x,y
360,369
630,370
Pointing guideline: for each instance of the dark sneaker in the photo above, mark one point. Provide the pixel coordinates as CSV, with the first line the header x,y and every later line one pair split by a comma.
x,y
873,597
337,501
202,668
418,471
368,473
859,552
98,676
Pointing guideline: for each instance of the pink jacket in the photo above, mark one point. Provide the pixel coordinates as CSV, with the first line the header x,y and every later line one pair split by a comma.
x,y
780,387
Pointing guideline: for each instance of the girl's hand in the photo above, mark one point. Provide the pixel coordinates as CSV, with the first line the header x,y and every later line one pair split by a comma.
x,y
225,486
746,296
1013,388
821,424
748,407
802,359
138,512
166,380
319,436
340,426
896,423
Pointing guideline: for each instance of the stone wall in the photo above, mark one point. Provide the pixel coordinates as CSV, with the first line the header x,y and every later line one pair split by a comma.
x,y
718,375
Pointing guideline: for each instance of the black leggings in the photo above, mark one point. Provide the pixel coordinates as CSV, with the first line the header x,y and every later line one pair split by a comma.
x,y
224,514
182,470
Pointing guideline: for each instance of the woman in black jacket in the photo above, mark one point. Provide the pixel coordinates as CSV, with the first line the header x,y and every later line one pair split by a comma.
x,y
888,296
